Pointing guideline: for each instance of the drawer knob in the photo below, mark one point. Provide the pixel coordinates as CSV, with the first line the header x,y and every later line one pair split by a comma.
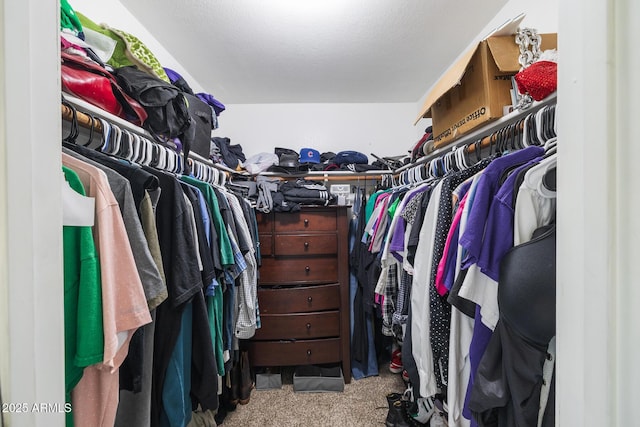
x,y
308,352
306,244
307,269
306,222
308,326
309,299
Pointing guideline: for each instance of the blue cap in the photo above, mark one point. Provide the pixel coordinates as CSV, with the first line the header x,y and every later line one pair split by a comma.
x,y
309,155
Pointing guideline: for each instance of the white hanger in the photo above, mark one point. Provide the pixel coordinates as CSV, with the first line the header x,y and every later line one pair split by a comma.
x,y
106,134
460,157
540,126
135,148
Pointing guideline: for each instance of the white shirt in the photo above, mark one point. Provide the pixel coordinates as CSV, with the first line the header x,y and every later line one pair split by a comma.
x,y
535,204
420,308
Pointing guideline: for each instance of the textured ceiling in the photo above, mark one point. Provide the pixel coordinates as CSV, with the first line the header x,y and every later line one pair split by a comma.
x,y
315,51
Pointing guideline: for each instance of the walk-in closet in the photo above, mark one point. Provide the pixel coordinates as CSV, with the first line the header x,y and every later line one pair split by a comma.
x,y
318,213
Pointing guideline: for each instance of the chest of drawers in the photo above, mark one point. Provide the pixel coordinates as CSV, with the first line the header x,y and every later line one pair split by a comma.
x,y
303,289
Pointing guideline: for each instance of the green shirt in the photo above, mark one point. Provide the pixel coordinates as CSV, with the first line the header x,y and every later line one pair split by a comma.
x,y
84,336
215,302
224,244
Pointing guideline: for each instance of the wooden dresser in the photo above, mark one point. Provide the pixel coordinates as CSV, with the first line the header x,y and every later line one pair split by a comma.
x,y
303,289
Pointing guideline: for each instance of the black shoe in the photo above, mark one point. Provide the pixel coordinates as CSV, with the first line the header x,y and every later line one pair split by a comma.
x,y
391,415
409,409
396,416
246,379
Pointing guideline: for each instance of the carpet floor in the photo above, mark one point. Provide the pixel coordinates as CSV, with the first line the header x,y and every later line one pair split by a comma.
x,y
362,403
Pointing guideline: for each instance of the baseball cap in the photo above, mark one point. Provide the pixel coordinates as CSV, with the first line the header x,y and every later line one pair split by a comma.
x,y
288,160
309,155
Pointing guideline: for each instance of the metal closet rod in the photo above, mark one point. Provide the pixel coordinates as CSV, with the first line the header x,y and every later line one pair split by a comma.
x,y
483,133
86,120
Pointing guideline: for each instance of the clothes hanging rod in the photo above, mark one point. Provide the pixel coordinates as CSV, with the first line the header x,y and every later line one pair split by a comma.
x,y
483,133
86,118
329,175
90,110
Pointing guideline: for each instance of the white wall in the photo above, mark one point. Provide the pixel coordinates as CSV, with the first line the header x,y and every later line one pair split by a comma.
x,y
383,129
31,214
4,267
598,230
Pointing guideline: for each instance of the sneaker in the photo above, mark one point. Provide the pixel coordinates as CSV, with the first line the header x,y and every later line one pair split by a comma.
x,y
395,366
425,409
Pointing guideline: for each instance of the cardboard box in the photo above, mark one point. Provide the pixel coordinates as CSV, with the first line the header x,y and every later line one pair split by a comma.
x,y
476,88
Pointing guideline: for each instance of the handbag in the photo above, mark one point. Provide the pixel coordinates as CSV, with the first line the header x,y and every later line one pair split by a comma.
x,y
87,80
202,118
539,80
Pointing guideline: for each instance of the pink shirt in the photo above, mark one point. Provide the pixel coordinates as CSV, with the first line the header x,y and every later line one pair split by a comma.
x,y
440,286
95,398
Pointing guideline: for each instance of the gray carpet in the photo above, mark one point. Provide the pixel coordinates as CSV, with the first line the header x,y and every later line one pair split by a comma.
x,y
362,403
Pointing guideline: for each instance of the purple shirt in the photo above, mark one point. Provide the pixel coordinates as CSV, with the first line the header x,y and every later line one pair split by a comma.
x,y
498,238
396,246
486,189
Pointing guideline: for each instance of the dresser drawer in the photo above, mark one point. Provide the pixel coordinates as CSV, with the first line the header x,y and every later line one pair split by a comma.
x,y
296,300
283,353
299,326
289,270
306,244
307,220
266,244
265,222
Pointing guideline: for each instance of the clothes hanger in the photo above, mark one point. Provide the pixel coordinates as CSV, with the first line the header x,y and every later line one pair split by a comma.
x,y
549,179
145,152
511,132
549,122
116,139
492,141
166,159
477,148
106,136
500,141
155,156
449,163
123,151
73,131
194,167
163,161
181,166
456,157
461,157
519,134
531,130
223,178
417,173
90,140
525,132
130,146
137,142
540,126
505,139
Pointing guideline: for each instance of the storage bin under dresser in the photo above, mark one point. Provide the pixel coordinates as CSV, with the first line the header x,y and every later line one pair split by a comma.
x,y
303,292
